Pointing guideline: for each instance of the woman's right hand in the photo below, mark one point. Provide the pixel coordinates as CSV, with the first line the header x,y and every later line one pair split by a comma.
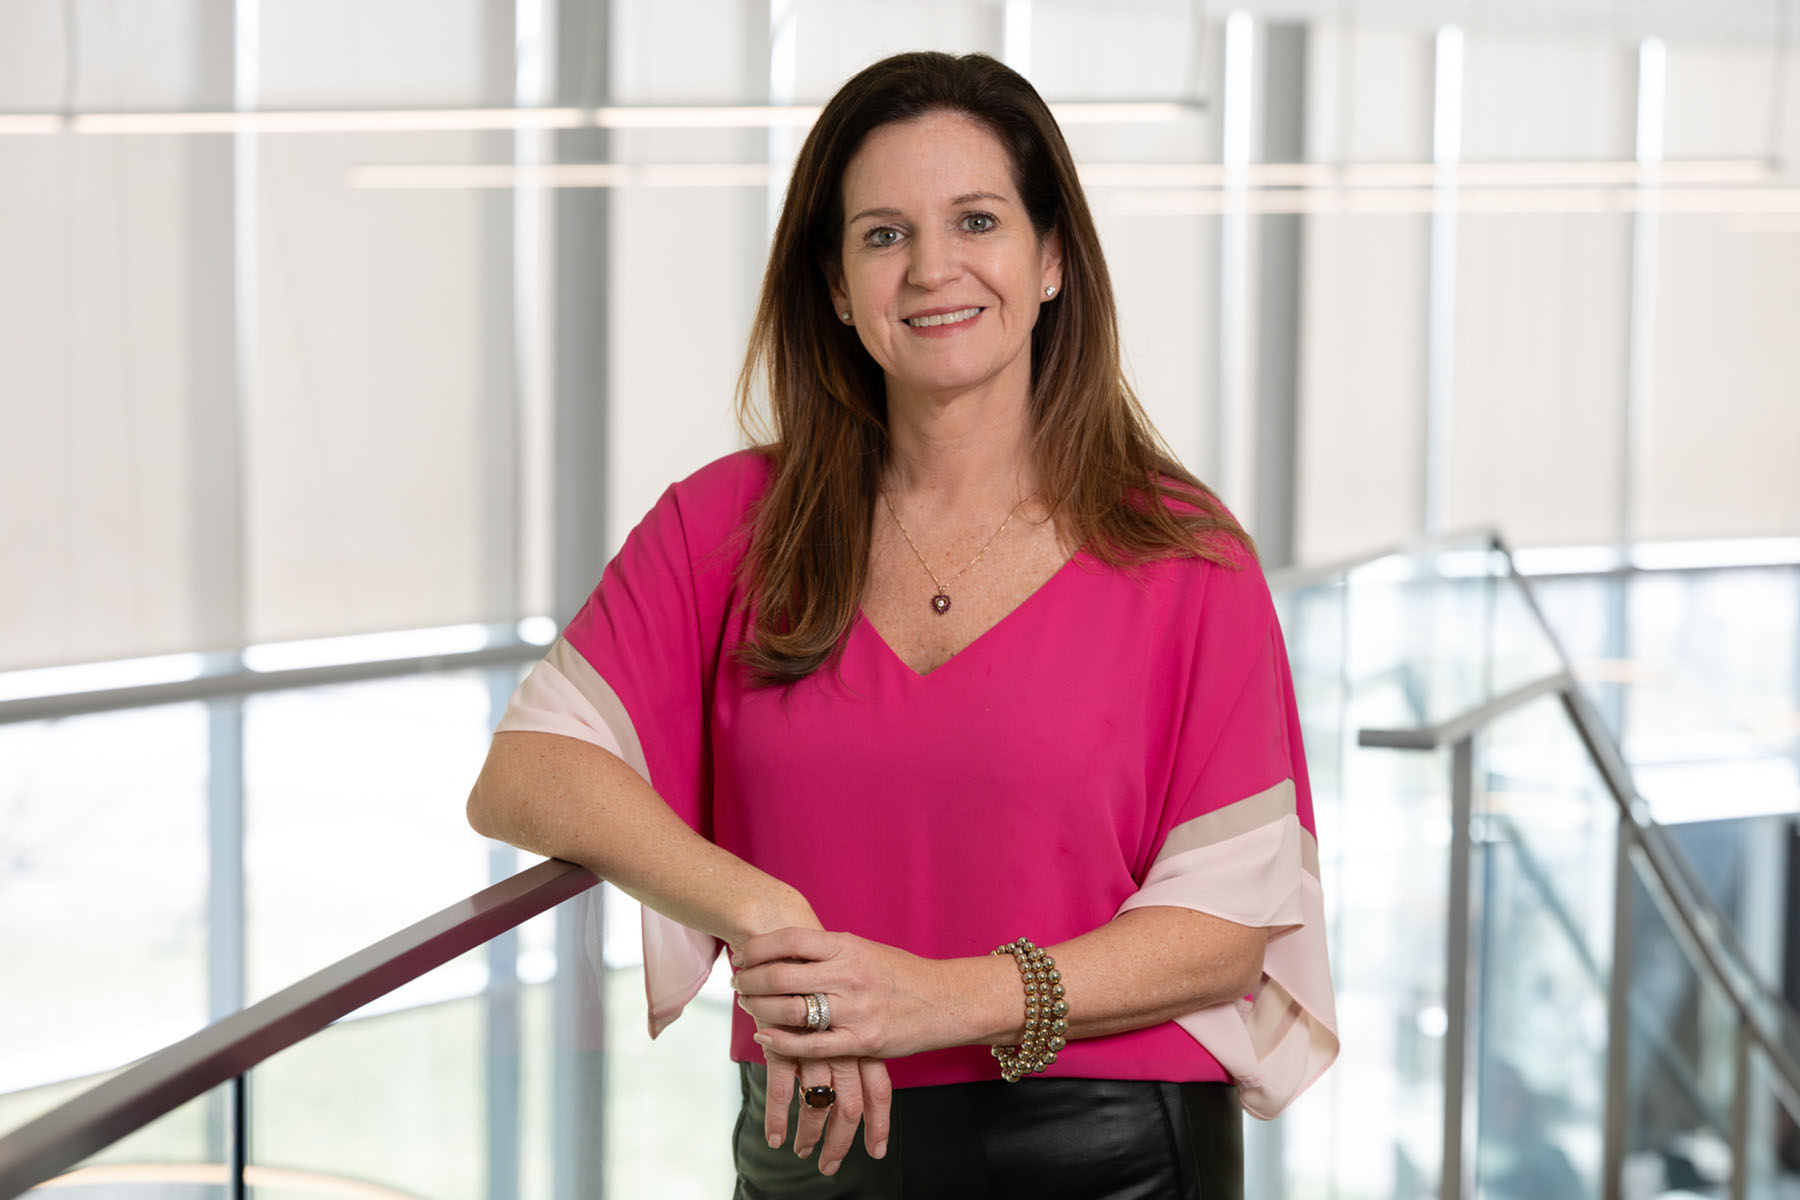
x,y
862,1094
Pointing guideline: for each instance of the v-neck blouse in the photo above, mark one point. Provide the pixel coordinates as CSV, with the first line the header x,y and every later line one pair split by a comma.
x,y
1120,739
866,626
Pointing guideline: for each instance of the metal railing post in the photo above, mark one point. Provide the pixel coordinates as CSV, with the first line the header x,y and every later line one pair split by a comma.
x,y
238,1138
1618,1021
1740,1111
1458,1174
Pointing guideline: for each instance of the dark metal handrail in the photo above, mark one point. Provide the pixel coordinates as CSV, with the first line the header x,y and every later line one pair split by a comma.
x,y
223,1051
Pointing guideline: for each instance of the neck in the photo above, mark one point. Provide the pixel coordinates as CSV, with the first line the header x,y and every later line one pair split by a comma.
x,y
969,452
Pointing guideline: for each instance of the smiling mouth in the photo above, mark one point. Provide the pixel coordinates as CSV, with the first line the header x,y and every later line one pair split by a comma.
x,y
949,318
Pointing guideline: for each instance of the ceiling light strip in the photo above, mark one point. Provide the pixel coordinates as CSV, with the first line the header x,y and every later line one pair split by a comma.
x,y
477,120
30,123
1403,175
1152,188
1571,201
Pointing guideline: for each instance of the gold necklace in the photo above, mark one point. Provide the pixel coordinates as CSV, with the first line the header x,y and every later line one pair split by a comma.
x,y
940,603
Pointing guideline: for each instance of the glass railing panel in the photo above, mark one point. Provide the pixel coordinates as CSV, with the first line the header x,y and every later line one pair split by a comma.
x,y
673,1103
1547,834
1772,1142
1715,718
1373,1125
1314,627
394,1098
1434,634
181,1154
1587,613
1738,866
1681,1057
1541,1072
354,823
472,1082
1697,675
1524,647
1412,641
1538,790
687,1067
1733,876
103,896
1358,661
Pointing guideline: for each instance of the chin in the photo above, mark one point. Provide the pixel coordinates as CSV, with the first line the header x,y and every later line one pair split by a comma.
x,y
948,377
948,385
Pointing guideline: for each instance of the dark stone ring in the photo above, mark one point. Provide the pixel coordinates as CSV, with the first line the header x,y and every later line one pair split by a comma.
x,y
819,1097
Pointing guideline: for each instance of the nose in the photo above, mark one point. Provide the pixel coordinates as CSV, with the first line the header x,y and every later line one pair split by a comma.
x,y
933,262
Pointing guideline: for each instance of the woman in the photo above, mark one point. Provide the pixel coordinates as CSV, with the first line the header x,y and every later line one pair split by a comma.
x,y
963,667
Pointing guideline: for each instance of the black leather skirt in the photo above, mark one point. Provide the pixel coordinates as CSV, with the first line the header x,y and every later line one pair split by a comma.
x,y
1084,1139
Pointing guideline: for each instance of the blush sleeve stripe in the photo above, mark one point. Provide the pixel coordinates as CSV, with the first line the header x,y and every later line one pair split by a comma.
x,y
1252,863
564,695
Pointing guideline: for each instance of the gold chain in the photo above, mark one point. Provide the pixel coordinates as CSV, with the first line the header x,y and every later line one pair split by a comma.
x,y
940,603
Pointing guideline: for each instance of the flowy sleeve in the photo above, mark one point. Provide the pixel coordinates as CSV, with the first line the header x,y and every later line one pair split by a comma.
x,y
631,674
1237,841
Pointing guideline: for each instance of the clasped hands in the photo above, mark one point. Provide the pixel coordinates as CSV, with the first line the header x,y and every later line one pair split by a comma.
x,y
884,1003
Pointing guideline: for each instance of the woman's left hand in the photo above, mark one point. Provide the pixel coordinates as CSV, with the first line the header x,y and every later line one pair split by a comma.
x,y
863,1096
885,1003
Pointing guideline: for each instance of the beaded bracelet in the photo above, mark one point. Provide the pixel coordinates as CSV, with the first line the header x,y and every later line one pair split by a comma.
x,y
1045,1013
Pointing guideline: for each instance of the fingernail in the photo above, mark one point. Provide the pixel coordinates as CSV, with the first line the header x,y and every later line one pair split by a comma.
x,y
774,1141
880,1150
830,1169
761,1039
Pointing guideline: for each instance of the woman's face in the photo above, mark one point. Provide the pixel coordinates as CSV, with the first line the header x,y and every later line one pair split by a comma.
x,y
941,269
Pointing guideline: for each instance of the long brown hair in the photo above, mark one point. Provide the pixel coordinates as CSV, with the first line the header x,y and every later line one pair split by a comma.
x,y
1109,481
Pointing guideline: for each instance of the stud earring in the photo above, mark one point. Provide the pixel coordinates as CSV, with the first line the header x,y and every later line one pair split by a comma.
x,y
1050,291
844,316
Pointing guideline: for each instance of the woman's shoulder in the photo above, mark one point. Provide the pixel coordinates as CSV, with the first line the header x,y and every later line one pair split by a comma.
x,y
1220,577
1225,580
718,497
710,510
1218,538
732,484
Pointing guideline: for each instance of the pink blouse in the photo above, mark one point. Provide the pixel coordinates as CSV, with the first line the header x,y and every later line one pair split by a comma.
x,y
1121,739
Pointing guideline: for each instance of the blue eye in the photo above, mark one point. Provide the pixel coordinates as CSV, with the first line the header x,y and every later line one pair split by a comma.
x,y
979,222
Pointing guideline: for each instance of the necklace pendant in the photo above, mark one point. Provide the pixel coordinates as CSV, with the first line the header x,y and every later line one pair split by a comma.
x,y
940,604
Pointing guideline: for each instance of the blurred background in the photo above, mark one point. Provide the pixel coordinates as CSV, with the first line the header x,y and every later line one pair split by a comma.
x,y
343,339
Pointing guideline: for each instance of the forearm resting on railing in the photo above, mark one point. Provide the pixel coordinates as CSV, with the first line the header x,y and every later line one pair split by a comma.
x,y
568,799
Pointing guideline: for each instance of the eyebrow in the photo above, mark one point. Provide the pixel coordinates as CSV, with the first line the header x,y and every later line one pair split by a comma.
x,y
957,202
